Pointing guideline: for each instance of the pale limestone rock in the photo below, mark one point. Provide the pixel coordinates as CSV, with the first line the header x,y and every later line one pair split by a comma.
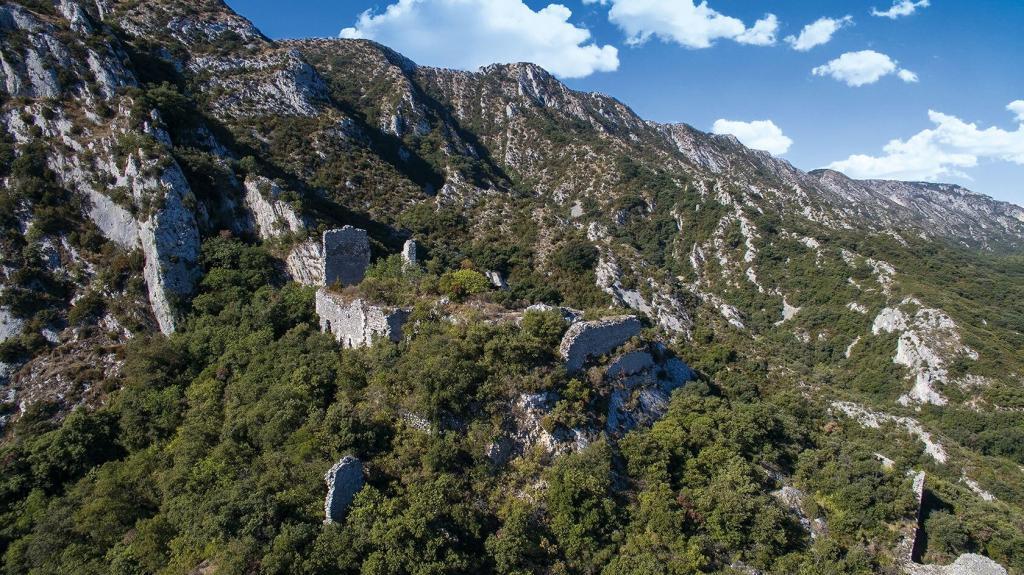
x,y
170,242
346,255
344,481
272,216
874,420
642,387
595,338
116,223
496,279
569,314
409,252
628,364
305,263
356,323
928,339
10,326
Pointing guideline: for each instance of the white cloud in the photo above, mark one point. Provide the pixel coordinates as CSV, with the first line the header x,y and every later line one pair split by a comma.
x,y
942,151
687,24
864,67
1017,107
900,8
817,33
907,76
759,134
467,34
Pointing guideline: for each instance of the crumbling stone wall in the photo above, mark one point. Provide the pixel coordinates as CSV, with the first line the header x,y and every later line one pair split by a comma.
x,y
409,252
346,255
356,323
589,339
344,481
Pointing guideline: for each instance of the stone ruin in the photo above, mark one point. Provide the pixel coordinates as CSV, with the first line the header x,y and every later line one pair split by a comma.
x,y
356,323
409,252
966,564
346,253
344,481
588,339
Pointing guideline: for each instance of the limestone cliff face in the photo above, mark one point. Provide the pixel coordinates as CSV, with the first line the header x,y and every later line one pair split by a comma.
x,y
160,218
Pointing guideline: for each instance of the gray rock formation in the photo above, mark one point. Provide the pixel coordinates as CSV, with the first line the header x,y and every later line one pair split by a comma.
x,y
409,252
628,364
569,314
344,481
642,383
10,326
966,564
305,263
346,255
589,339
356,323
170,242
271,216
496,279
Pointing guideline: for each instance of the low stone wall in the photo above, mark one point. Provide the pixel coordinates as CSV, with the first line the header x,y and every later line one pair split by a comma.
x,y
356,323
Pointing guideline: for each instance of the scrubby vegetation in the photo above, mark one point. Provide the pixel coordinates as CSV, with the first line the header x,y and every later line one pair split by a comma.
x,y
215,446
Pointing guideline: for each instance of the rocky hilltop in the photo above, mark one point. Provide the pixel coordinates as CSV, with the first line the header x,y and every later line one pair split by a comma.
x,y
170,179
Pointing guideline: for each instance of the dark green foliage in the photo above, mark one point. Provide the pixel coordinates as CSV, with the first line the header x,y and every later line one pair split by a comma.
x,y
461,284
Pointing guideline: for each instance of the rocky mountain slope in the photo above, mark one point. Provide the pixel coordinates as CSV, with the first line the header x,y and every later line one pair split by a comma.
x,y
136,133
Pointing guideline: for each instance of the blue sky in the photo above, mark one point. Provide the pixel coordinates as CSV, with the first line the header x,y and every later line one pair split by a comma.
x,y
938,79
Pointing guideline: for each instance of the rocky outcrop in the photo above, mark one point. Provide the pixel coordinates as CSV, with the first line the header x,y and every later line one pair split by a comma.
x,y
642,382
928,339
793,499
590,339
170,242
568,314
356,323
526,430
496,279
875,420
346,256
344,481
271,216
305,263
966,564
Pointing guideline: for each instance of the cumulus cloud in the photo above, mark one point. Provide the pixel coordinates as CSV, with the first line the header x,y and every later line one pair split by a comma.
x,y
685,23
900,8
864,67
759,135
947,149
907,76
467,34
817,33
1017,107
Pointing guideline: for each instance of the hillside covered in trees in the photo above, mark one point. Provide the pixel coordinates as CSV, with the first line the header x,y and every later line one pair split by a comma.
x,y
831,369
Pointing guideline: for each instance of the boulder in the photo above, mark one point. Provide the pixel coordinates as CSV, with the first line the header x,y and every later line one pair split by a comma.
x,y
356,323
346,255
588,339
344,481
